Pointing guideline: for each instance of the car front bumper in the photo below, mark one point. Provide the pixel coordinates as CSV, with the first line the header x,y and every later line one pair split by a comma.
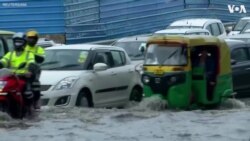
x,y
58,98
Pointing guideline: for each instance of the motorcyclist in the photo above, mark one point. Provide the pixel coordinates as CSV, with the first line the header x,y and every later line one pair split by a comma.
x,y
14,59
32,38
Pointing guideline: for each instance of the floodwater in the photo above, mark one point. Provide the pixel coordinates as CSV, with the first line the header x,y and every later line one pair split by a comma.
x,y
145,121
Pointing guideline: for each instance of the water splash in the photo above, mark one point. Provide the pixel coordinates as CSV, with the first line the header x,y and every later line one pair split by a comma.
x,y
4,117
233,103
154,103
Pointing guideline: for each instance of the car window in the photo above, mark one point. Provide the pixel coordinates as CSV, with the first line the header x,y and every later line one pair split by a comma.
x,y
221,27
123,57
215,29
2,52
210,29
118,58
103,57
239,54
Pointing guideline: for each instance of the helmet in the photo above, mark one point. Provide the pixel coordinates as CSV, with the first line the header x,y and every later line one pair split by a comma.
x,y
32,33
19,35
19,41
32,37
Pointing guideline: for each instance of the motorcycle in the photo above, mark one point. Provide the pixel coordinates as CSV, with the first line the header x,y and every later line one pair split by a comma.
x,y
11,94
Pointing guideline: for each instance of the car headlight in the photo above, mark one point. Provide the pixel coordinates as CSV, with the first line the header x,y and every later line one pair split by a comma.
x,y
145,79
66,83
2,84
139,69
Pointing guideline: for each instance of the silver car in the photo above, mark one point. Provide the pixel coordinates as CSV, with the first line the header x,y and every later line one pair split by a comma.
x,y
88,75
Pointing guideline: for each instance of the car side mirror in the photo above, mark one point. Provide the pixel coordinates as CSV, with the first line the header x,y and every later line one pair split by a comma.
x,y
142,47
233,62
100,67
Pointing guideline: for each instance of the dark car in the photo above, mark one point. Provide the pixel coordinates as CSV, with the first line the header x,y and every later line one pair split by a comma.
x,y
240,60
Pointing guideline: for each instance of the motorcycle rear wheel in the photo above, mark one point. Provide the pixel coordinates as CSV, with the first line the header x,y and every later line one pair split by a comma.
x,y
15,110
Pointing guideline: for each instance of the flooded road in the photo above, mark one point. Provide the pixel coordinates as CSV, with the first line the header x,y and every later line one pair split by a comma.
x,y
145,121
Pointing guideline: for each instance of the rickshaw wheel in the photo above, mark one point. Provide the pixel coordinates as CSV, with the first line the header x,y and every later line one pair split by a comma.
x,y
136,94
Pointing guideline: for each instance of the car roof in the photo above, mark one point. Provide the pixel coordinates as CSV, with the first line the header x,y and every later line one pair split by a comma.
x,y
6,32
193,22
83,47
182,30
134,38
245,18
232,43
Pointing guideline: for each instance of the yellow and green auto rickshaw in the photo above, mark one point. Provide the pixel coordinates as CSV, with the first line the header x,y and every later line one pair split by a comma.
x,y
188,71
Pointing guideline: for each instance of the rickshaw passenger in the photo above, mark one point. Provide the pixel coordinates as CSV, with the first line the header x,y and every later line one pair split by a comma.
x,y
206,60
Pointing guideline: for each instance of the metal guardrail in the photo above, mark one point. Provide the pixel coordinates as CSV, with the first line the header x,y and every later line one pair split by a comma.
x,y
46,16
125,17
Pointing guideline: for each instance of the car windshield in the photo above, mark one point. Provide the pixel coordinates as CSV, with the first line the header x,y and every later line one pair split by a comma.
x,y
165,55
64,59
240,25
132,49
246,28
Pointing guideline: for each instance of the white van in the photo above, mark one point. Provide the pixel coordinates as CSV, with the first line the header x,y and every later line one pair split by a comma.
x,y
214,26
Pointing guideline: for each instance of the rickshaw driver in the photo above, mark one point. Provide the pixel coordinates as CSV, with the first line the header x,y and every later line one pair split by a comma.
x,y
82,57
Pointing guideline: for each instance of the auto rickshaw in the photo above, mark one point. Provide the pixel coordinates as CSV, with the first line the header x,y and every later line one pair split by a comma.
x,y
187,71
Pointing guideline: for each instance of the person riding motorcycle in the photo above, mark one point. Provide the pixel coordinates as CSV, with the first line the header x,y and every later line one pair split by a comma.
x,y
17,58
32,38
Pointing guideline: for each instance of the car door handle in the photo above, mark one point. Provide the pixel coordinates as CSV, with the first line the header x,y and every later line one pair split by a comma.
x,y
113,73
248,69
130,70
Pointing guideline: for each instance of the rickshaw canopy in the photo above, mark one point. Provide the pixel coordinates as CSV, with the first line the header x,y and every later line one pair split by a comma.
x,y
194,41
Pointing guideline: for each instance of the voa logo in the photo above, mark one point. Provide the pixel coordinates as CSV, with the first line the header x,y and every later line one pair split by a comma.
x,y
239,9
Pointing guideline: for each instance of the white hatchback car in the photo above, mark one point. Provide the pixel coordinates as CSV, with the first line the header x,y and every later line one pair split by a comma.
x,y
214,26
88,75
240,25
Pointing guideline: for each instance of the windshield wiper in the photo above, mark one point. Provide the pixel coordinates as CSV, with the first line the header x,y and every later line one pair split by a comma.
x,y
171,55
65,66
168,57
49,63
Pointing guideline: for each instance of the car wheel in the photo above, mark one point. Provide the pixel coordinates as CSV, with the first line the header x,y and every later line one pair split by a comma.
x,y
84,99
136,94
